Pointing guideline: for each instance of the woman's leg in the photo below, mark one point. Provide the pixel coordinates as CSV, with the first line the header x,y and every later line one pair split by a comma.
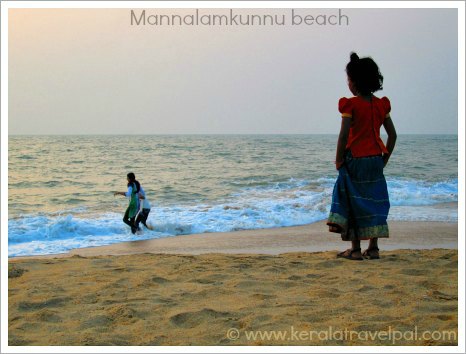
x,y
133,227
126,218
138,220
145,215
129,221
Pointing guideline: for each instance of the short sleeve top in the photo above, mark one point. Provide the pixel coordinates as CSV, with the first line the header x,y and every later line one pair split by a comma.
x,y
366,120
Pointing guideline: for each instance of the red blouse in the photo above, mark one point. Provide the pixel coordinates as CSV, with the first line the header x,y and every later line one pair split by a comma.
x,y
366,120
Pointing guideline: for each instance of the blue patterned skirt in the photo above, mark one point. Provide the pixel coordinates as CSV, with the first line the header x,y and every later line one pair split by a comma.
x,y
360,201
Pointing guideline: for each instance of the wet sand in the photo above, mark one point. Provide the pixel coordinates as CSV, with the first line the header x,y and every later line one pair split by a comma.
x,y
186,291
307,238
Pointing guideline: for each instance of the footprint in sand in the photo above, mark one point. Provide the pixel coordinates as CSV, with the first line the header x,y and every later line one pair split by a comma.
x,y
46,315
216,279
205,281
331,263
164,301
159,280
313,276
241,266
197,318
366,288
415,272
275,269
442,296
326,293
34,306
263,296
298,264
97,321
122,313
14,272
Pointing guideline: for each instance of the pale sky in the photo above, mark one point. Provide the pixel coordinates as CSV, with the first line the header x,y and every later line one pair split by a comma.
x,y
88,71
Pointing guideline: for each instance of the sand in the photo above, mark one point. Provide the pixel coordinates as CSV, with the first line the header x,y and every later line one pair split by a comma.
x,y
249,288
307,238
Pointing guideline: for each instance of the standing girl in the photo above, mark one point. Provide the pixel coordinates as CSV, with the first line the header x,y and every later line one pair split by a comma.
x,y
360,201
133,206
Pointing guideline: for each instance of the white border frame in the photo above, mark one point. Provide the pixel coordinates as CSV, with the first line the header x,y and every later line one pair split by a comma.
x,y
460,5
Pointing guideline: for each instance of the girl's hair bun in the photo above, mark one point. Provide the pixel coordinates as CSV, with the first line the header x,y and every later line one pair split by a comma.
x,y
364,74
354,56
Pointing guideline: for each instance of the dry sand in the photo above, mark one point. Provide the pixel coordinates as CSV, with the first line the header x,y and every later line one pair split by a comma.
x,y
95,298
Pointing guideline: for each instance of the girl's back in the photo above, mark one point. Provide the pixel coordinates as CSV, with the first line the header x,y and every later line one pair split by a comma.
x,y
367,116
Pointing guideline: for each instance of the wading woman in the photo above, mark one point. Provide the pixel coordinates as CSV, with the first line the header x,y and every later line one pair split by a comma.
x,y
133,206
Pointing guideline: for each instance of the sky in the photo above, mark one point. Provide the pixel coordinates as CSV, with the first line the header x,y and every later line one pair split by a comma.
x,y
89,71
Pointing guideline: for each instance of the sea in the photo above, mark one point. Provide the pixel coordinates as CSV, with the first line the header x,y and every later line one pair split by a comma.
x,y
60,188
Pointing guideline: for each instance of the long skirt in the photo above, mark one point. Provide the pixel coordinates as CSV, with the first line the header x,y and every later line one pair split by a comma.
x,y
360,201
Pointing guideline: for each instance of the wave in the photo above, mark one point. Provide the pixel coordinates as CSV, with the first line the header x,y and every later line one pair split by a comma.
x,y
290,203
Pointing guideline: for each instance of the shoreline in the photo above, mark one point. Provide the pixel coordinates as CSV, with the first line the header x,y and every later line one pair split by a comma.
x,y
274,241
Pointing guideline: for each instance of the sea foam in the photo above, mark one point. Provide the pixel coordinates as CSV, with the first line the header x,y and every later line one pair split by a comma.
x,y
295,202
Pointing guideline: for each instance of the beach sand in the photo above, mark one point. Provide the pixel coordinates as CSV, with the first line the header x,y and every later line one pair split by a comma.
x,y
210,289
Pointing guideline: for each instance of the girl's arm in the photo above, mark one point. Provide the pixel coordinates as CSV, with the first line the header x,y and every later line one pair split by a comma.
x,y
125,194
342,141
391,140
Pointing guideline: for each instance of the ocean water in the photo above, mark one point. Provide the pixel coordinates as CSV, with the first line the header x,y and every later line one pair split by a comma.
x,y
60,188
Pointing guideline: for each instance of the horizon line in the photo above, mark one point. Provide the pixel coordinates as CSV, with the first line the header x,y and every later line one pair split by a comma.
x,y
198,134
